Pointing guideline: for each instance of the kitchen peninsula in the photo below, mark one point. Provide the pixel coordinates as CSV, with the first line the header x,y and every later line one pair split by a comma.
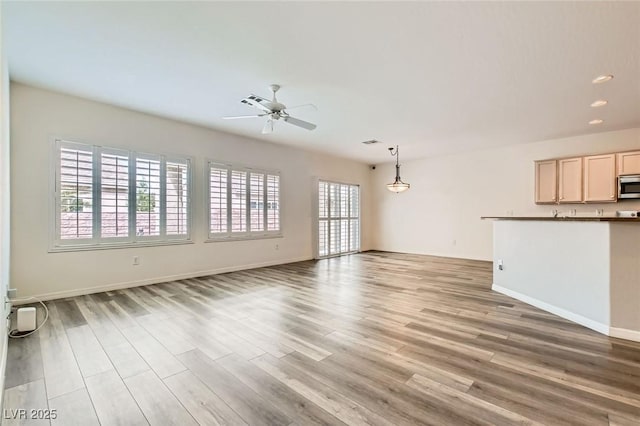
x,y
584,269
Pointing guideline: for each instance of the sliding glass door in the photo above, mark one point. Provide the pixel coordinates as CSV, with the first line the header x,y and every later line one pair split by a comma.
x,y
338,218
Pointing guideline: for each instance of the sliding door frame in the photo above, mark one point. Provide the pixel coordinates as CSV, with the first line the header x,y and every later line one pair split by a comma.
x,y
316,218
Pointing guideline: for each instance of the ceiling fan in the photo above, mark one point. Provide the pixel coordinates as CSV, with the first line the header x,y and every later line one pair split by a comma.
x,y
273,110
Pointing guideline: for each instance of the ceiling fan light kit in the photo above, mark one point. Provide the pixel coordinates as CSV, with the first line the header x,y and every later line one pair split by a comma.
x,y
397,185
273,110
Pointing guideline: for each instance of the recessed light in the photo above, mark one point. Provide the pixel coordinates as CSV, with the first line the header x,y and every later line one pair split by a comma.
x,y
598,121
602,79
599,103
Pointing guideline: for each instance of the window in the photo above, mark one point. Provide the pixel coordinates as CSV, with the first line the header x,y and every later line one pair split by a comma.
x,y
114,194
243,202
177,201
338,218
109,197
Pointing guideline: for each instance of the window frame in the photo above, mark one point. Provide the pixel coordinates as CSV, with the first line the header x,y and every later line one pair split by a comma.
x,y
97,184
349,218
97,241
163,189
133,197
249,234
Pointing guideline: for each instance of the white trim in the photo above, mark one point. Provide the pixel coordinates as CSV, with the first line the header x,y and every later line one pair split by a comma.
x,y
315,217
244,238
625,333
157,280
587,322
5,352
106,246
190,163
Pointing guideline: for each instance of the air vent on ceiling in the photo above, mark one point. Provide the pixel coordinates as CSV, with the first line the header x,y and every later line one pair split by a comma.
x,y
371,142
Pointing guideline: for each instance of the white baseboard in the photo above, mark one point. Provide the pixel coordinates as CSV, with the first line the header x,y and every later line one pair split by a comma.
x,y
620,333
154,280
589,323
625,333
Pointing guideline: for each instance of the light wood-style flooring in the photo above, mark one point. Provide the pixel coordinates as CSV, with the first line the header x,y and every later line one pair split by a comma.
x,y
374,338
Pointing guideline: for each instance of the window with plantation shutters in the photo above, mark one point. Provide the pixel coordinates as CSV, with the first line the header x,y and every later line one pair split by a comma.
x,y
218,201
238,201
108,197
114,194
338,218
148,196
243,202
177,198
257,204
75,193
273,202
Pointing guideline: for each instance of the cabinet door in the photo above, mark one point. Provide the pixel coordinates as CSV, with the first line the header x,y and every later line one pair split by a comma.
x,y
629,163
600,178
570,180
546,181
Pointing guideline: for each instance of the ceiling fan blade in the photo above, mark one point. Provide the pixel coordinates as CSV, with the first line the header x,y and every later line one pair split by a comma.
x,y
299,123
258,102
303,105
268,127
243,116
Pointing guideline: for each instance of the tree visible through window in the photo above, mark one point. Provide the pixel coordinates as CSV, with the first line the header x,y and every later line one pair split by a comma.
x,y
70,203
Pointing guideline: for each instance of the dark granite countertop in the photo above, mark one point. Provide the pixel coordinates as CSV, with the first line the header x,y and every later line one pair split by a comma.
x,y
567,218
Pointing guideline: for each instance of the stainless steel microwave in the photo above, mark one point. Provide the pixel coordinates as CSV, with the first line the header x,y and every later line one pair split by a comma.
x,y
629,186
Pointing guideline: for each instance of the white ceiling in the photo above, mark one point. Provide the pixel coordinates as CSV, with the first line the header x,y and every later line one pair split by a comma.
x,y
434,78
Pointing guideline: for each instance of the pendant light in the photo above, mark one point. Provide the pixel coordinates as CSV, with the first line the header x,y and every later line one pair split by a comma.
x,y
398,185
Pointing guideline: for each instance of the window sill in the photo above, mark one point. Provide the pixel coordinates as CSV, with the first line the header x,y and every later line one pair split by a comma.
x,y
62,249
243,238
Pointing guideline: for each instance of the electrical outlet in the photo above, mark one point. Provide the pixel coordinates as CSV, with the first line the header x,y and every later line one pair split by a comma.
x,y
136,260
500,265
277,246
12,293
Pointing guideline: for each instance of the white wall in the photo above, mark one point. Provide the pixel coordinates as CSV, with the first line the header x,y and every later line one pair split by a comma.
x,y
38,115
5,223
560,266
440,214
584,271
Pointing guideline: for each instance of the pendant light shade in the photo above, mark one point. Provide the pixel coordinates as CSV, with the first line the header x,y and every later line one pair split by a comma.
x,y
398,185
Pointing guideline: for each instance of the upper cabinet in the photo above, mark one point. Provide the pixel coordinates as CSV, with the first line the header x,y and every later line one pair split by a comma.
x,y
600,178
590,179
629,163
546,181
570,180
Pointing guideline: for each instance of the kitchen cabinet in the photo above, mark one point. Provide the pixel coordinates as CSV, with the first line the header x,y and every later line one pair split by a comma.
x,y
629,163
570,180
546,181
600,178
